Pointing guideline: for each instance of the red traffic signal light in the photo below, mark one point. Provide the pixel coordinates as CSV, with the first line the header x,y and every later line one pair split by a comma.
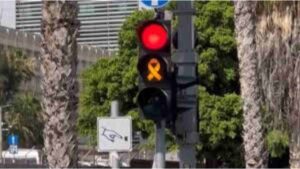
x,y
153,36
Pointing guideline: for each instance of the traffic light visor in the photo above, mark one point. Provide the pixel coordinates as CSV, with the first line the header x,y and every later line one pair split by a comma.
x,y
154,36
153,103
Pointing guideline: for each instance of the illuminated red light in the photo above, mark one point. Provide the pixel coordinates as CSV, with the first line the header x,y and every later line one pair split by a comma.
x,y
154,36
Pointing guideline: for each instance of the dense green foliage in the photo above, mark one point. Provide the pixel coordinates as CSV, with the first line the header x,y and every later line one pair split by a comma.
x,y
14,68
220,128
216,48
220,106
278,142
24,118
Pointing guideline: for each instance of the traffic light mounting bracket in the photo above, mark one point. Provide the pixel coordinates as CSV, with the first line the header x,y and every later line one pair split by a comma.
x,y
189,84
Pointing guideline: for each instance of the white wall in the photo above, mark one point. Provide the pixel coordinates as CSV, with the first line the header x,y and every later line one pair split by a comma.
x,y
8,13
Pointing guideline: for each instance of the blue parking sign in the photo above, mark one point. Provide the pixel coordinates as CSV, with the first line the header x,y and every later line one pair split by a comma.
x,y
155,3
13,139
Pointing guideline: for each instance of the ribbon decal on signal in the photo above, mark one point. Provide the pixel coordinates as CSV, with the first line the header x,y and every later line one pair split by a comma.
x,y
154,67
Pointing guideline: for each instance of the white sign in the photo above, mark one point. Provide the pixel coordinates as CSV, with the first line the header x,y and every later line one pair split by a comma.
x,y
154,3
13,149
114,134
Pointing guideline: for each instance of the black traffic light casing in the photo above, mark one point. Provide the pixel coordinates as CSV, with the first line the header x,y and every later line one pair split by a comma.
x,y
157,82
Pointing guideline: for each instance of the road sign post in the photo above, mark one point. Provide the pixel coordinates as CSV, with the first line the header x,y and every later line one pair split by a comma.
x,y
114,156
114,134
160,145
187,102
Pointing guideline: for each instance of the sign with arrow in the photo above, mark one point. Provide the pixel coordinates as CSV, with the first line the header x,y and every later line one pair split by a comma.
x,y
114,134
154,3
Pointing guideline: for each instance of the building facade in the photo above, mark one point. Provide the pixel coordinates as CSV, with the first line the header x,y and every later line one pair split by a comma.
x,y
101,20
8,14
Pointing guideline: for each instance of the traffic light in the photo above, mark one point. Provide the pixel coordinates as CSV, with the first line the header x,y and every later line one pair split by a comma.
x,y
157,87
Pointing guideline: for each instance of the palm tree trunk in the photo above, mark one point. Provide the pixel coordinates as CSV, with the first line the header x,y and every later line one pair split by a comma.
x,y
278,39
59,85
294,155
255,156
294,116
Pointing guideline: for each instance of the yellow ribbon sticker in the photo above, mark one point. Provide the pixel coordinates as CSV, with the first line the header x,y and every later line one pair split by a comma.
x,y
154,67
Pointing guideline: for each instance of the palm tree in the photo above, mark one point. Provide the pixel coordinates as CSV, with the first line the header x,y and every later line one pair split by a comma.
x,y
253,137
59,85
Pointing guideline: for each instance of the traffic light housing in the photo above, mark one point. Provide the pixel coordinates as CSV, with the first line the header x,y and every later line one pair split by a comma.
x,y
157,82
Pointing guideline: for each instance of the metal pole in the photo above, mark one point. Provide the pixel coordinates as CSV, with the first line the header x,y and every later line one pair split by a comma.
x,y
160,145
186,59
114,156
0,134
